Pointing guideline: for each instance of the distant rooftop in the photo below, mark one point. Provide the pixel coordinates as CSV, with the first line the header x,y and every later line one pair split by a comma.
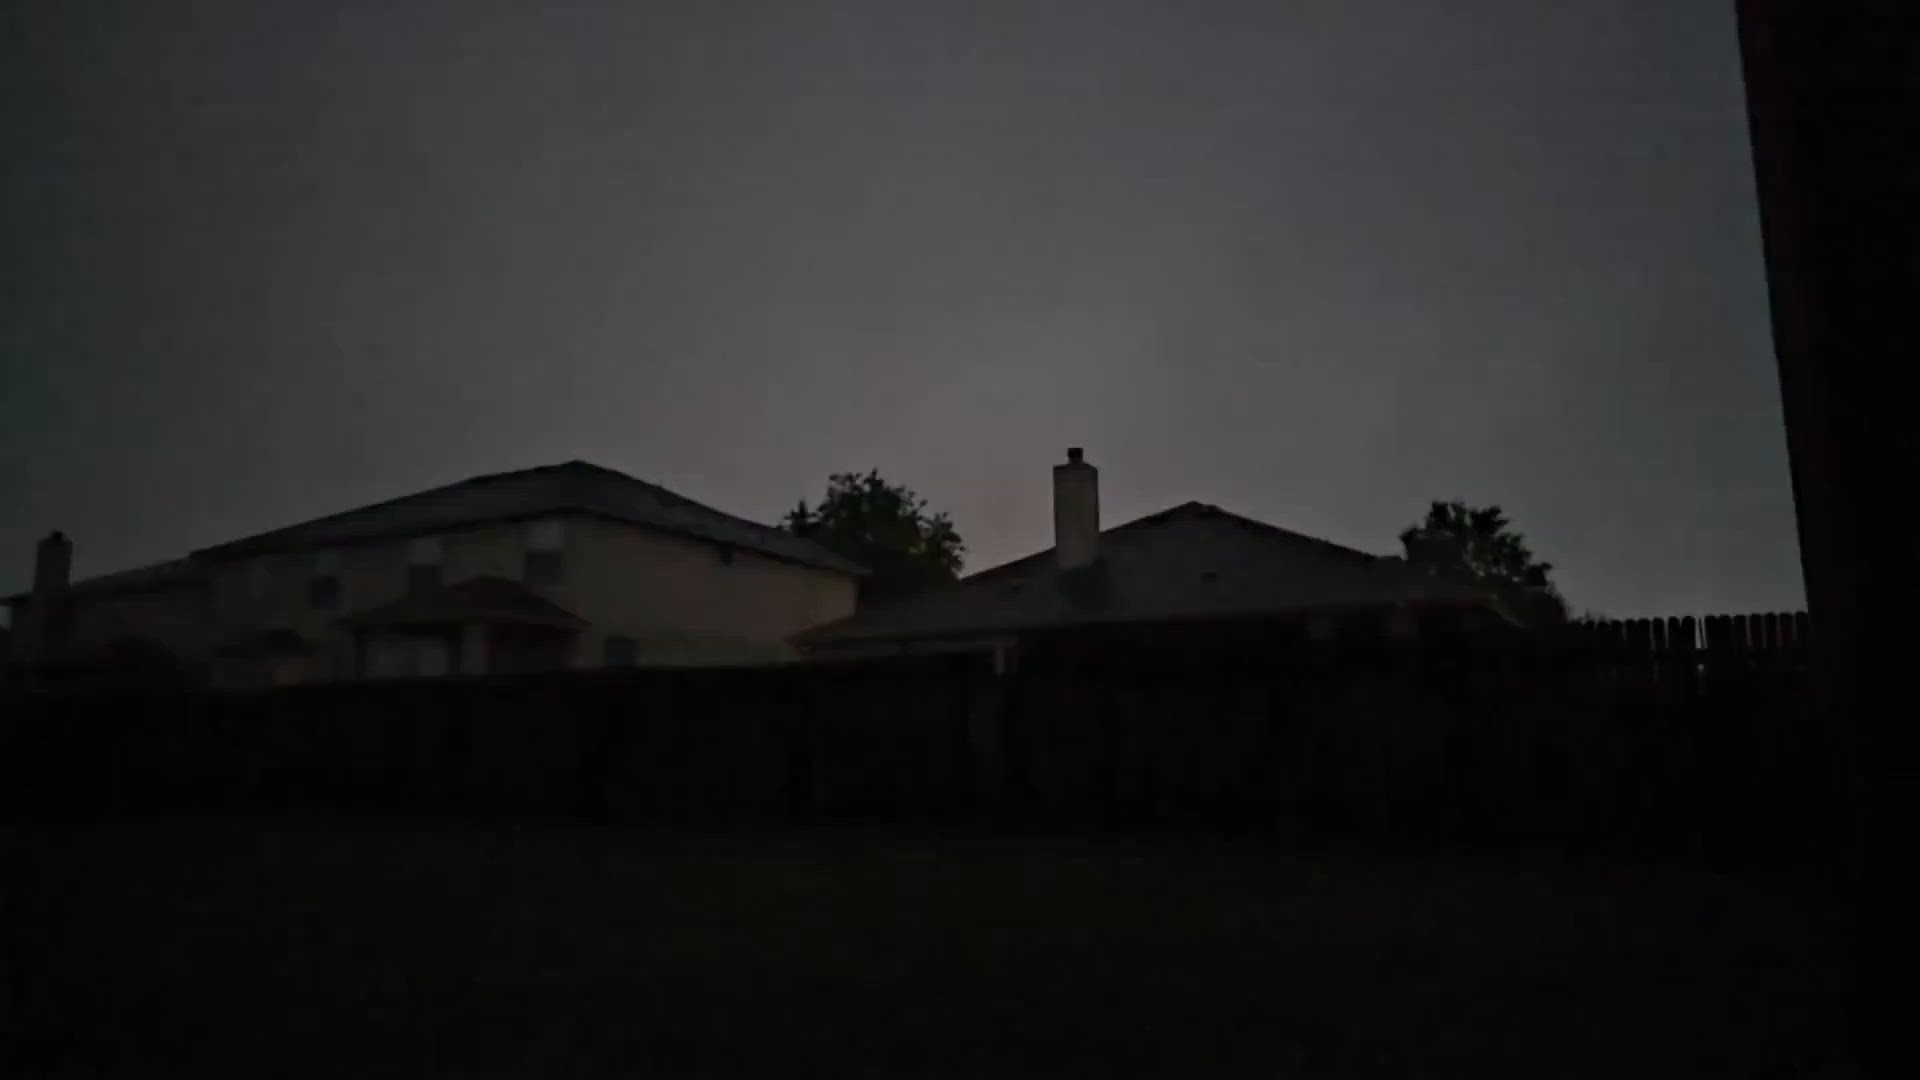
x,y
505,496
574,485
1191,561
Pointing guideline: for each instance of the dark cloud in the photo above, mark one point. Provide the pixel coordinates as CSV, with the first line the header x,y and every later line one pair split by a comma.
x,y
1316,262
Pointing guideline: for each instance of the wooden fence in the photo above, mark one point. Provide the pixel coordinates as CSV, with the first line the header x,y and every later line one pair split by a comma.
x,y
1765,631
1579,739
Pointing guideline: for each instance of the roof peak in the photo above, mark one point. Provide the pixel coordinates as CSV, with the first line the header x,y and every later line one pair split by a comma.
x,y
575,465
574,485
1190,510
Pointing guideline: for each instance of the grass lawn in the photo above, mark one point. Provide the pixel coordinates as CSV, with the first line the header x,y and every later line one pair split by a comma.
x,y
353,951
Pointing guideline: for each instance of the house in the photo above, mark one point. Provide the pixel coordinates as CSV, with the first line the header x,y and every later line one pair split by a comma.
x,y
1192,577
568,565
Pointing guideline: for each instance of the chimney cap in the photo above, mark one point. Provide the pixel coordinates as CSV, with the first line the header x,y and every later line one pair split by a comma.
x,y
56,535
1074,454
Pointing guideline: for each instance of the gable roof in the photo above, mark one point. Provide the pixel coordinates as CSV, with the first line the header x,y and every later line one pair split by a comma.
x,y
1191,561
278,641
575,485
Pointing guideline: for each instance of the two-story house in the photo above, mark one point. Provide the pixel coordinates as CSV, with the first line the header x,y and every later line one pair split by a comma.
x,y
569,565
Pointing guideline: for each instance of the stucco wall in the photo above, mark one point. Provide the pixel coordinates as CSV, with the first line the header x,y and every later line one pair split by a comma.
x,y
683,603
678,599
371,574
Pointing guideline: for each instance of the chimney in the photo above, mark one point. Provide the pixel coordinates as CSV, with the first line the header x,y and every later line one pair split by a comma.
x,y
52,562
46,606
1076,512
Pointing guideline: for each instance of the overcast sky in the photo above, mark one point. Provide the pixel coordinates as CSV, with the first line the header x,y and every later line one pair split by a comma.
x,y
1316,262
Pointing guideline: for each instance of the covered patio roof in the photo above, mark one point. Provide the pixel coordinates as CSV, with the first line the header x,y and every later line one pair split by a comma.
x,y
264,644
489,600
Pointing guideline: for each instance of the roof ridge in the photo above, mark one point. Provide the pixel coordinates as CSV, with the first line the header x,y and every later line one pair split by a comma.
x,y
1189,506
676,500
574,485
1253,524
1149,519
570,465
382,504
432,492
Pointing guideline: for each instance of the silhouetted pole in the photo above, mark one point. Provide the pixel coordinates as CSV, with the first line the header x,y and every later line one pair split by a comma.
x,y
1832,104
43,636
1831,99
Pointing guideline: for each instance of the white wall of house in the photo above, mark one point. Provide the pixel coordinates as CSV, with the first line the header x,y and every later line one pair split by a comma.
x,y
675,600
683,601
268,591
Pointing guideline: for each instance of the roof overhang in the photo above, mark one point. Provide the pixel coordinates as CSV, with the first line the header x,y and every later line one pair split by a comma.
x,y
828,635
281,541
267,644
482,601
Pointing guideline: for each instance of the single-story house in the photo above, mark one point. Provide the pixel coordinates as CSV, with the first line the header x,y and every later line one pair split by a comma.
x,y
1190,577
569,565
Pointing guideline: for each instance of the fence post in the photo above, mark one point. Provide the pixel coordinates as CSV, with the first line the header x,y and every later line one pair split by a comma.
x,y
1687,647
986,694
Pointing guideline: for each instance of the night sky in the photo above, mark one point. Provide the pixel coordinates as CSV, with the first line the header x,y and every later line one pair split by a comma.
x,y
1316,262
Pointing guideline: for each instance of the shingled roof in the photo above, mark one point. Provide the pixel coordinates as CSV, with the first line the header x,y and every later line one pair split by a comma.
x,y
575,485
1192,561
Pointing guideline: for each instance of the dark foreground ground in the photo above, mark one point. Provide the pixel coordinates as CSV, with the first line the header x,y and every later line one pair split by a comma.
x,y
354,951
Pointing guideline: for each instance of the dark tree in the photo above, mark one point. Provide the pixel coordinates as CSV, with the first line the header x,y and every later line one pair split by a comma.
x,y
884,527
1477,546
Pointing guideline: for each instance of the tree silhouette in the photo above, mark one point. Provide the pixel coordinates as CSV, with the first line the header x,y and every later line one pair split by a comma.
x,y
1477,545
884,527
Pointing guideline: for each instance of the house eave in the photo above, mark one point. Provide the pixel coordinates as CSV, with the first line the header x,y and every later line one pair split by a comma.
x,y
272,543
827,636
